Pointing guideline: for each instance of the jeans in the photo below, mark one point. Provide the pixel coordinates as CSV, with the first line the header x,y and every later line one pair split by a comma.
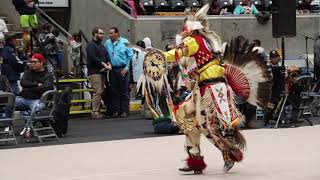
x,y
29,105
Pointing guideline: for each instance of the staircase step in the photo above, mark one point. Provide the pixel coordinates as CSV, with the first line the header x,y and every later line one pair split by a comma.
x,y
43,129
7,139
13,27
72,80
4,18
81,100
47,136
79,90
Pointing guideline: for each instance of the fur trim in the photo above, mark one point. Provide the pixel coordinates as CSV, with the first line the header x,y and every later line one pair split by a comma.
x,y
196,163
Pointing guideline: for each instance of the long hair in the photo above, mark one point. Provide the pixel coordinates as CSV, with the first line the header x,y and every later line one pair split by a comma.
x,y
138,7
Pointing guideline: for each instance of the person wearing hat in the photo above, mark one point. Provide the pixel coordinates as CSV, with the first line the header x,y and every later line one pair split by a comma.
x,y
11,66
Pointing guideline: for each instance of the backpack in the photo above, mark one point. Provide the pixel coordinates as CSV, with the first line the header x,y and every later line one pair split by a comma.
x,y
61,112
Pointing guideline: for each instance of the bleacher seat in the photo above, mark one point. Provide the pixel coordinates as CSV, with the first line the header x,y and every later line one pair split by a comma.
x,y
148,6
192,3
204,2
177,5
161,6
237,2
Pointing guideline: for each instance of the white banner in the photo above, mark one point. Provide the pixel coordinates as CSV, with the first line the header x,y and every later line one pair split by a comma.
x,y
53,3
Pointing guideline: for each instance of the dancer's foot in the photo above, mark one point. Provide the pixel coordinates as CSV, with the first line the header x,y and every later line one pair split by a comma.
x,y
227,165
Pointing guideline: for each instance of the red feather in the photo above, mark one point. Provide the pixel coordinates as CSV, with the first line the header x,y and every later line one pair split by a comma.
x,y
196,163
237,80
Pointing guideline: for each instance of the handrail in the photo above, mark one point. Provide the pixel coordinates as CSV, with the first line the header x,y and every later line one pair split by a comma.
x,y
48,18
84,36
122,3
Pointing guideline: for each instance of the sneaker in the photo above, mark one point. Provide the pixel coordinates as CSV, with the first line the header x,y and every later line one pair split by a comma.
x,y
23,131
115,115
7,129
123,115
98,116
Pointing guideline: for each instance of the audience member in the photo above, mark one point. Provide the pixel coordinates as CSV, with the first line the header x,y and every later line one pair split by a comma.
x,y
245,8
49,46
137,68
28,19
215,8
3,28
136,8
120,56
316,50
97,60
148,43
12,66
34,82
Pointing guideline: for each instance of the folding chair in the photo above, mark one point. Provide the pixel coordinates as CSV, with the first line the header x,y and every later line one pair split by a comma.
x,y
161,6
177,5
192,3
7,106
42,115
306,83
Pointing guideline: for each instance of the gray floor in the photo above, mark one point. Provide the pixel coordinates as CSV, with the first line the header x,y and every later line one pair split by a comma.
x,y
272,154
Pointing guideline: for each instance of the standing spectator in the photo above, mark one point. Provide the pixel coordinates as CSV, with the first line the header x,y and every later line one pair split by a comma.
x,y
34,82
245,8
120,56
3,28
316,50
12,66
97,61
256,43
136,8
49,46
28,19
137,67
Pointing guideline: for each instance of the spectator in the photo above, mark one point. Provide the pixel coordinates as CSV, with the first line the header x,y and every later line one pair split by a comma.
x,y
120,56
136,8
28,19
60,43
316,50
3,28
148,43
49,46
12,66
137,67
215,8
245,8
34,82
256,43
116,2
97,61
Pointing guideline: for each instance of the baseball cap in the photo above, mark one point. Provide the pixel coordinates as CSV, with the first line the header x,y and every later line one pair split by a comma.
x,y
38,56
274,54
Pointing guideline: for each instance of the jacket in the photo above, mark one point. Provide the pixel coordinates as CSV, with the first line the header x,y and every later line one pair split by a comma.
x,y
12,66
29,83
96,54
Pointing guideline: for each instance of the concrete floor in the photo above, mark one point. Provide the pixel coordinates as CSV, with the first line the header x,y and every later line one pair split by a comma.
x,y
286,154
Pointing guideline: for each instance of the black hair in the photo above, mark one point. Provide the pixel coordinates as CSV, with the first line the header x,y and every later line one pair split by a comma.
x,y
56,32
95,30
141,44
257,42
116,30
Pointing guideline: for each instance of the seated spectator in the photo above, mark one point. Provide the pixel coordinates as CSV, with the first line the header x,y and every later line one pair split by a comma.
x,y
215,8
34,82
245,8
12,66
136,8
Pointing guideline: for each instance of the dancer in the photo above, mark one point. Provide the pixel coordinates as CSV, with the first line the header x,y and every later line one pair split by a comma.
x,y
210,107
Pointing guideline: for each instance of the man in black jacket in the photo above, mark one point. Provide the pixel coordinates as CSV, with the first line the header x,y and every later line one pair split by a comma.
x,y
34,83
12,66
97,60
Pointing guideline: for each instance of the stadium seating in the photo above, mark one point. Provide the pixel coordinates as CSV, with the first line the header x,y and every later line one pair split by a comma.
x,y
192,3
177,5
